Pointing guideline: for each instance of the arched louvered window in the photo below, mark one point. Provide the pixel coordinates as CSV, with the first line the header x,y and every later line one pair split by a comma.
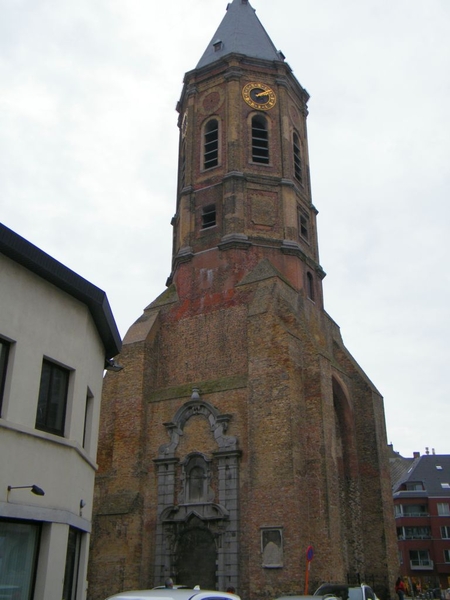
x,y
183,166
260,140
310,284
297,157
211,144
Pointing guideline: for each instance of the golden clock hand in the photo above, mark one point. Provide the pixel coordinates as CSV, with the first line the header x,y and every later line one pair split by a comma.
x,y
264,93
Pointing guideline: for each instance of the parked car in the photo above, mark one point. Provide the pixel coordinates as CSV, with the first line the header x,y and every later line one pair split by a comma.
x,y
303,597
173,594
346,592
174,587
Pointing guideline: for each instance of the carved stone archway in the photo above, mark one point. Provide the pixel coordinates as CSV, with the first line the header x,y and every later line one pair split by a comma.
x,y
216,518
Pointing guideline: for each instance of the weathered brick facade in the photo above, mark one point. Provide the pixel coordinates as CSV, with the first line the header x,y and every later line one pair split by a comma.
x,y
241,430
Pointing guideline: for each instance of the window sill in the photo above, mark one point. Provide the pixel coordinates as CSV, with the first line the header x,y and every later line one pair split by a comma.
x,y
51,438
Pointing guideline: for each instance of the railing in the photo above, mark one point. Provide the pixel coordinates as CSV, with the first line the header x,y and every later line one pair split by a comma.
x,y
412,514
423,564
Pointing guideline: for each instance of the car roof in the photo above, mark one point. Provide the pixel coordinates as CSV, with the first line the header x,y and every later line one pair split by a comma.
x,y
174,587
173,594
296,597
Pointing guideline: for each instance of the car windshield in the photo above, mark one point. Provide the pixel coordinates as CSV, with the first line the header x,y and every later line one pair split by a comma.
x,y
355,593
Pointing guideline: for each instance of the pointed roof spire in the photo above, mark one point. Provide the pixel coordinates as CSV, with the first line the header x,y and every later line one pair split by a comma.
x,y
241,32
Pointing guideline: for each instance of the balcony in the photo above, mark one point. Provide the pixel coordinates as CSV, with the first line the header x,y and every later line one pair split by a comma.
x,y
421,565
411,514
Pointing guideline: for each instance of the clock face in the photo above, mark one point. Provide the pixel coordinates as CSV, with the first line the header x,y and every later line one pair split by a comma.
x,y
184,124
259,95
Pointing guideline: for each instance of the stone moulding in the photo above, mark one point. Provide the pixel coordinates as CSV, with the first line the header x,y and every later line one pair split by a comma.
x,y
197,407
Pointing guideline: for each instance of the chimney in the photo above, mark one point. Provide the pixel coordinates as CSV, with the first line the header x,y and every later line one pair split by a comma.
x,y
416,454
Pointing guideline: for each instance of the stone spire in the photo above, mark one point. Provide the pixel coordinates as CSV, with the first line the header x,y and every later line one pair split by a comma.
x,y
240,32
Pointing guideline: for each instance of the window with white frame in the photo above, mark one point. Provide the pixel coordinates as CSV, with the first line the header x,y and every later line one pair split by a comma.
x,y
443,509
414,486
445,532
419,559
411,510
51,410
414,533
447,556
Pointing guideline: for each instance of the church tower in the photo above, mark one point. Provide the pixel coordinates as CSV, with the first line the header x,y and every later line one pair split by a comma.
x,y
241,433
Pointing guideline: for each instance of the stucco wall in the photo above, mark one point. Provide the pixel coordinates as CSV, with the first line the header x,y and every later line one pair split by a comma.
x,y
42,321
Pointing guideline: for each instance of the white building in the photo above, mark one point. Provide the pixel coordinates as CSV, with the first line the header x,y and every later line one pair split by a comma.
x,y
57,335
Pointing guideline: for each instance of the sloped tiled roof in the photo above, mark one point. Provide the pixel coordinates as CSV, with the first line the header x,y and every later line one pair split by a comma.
x,y
433,470
240,32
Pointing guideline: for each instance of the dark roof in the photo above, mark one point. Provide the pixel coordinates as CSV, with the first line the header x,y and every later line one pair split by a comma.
x,y
35,260
240,32
432,470
399,468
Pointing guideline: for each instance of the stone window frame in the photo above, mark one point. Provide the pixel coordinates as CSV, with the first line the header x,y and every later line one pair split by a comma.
x,y
196,460
269,557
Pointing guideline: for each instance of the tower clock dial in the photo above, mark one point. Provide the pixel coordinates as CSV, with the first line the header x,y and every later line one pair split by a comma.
x,y
184,124
259,95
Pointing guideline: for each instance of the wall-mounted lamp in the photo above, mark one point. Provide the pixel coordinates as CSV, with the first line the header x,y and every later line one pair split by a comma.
x,y
82,505
112,365
34,489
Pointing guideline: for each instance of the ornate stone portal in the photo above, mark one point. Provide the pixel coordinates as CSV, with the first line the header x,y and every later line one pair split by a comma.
x,y
198,518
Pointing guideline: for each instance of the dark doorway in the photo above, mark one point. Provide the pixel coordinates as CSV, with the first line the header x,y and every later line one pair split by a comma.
x,y
196,559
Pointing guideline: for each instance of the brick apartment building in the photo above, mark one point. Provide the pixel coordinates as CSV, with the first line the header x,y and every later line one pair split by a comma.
x,y
241,431
421,490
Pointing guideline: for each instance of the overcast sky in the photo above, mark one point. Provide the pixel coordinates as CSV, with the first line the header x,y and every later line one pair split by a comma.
x,y
88,162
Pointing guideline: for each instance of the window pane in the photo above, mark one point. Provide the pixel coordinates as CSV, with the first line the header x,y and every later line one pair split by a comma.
x,y
18,553
209,216
443,509
71,570
52,401
4,351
